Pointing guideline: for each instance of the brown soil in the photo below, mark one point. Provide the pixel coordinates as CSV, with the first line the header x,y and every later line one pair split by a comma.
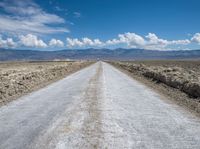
x,y
19,78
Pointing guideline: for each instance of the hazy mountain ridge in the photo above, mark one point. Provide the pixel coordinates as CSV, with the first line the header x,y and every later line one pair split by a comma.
x,y
116,54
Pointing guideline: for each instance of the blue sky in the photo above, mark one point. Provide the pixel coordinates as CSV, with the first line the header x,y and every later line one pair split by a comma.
x,y
61,24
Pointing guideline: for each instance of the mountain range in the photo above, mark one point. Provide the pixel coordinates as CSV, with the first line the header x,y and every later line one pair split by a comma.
x,y
94,54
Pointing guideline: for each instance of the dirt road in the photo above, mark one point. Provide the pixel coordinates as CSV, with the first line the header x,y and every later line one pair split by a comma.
x,y
97,107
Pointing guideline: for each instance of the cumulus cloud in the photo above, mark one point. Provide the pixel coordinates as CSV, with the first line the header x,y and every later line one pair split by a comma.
x,y
28,17
112,42
126,40
89,42
30,40
73,42
150,41
7,43
196,38
181,42
154,40
130,39
10,42
56,43
84,42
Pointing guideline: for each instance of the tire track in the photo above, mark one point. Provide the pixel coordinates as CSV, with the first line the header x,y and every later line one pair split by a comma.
x,y
92,128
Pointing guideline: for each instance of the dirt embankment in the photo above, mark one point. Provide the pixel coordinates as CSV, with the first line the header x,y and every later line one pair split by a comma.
x,y
186,80
177,80
17,79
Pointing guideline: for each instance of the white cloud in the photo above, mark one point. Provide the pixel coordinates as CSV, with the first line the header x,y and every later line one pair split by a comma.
x,y
154,40
151,41
181,42
132,40
57,8
129,40
126,40
97,42
74,42
10,42
112,42
27,17
30,40
25,7
85,42
56,43
77,14
7,43
89,42
196,38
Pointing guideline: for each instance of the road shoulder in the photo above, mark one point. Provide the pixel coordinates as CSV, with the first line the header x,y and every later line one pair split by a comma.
x,y
27,77
170,94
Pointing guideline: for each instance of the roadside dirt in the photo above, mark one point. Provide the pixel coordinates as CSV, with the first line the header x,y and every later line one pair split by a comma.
x,y
174,74
20,78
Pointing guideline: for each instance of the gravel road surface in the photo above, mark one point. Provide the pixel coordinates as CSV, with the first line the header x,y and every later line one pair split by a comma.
x,y
97,107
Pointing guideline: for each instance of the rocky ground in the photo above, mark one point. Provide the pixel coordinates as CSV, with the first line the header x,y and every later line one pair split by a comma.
x,y
19,78
183,76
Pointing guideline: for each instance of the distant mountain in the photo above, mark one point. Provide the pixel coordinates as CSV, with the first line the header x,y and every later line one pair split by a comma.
x,y
91,54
